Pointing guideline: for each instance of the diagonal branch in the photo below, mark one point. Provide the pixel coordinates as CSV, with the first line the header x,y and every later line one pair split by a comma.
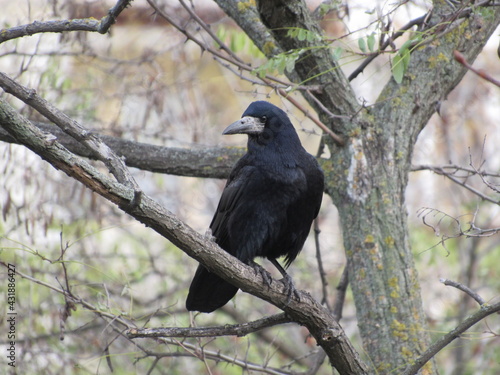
x,y
305,311
315,66
387,43
86,24
464,288
437,346
231,58
442,172
99,149
480,72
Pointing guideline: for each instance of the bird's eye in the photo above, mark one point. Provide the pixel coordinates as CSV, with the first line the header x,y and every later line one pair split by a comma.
x,y
263,119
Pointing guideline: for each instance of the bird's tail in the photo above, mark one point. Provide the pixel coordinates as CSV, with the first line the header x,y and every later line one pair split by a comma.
x,y
208,291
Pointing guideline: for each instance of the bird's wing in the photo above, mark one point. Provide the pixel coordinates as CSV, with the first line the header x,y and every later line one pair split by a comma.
x,y
235,189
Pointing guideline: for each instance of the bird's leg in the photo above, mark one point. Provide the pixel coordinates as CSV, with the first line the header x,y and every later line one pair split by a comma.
x,y
266,276
287,281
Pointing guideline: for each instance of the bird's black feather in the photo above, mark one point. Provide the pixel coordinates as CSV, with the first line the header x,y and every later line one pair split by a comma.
x,y
272,196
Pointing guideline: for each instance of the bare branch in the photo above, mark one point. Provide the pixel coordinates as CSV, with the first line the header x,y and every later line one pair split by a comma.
x,y
452,168
239,330
480,72
74,299
450,174
438,218
235,60
86,24
192,350
209,162
100,150
437,346
482,174
306,311
465,289
322,273
341,293
113,13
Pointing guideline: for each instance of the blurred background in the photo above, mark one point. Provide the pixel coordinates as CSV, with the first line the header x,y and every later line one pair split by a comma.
x,y
145,82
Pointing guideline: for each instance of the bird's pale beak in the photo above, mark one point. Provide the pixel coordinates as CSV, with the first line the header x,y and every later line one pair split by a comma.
x,y
246,125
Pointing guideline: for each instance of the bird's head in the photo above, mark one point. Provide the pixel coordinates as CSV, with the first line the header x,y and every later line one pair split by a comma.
x,y
264,123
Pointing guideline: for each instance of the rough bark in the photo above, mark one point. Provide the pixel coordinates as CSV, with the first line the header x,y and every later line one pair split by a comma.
x,y
212,162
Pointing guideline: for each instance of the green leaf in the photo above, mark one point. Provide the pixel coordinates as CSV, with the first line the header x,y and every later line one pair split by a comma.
x,y
312,36
292,33
371,42
362,45
302,35
281,63
398,69
406,59
290,64
221,34
401,61
400,64
238,42
337,53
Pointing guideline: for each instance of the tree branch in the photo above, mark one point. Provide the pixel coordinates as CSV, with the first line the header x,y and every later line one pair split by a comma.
x,y
231,58
112,319
442,170
481,73
306,311
239,330
98,148
321,269
387,43
210,162
315,65
437,346
87,24
451,169
464,289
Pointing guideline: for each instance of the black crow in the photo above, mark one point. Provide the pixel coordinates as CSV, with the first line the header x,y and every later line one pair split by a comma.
x,y
272,196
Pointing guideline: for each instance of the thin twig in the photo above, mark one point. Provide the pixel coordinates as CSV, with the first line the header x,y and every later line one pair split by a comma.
x,y
86,24
232,59
387,43
338,306
465,289
480,72
321,269
463,12
191,349
453,169
441,171
481,174
91,141
445,340
75,299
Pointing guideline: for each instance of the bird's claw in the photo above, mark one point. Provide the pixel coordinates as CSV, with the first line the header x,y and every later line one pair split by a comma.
x,y
290,289
266,276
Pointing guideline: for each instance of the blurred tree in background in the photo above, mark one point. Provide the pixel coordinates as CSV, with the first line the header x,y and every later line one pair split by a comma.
x,y
407,140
